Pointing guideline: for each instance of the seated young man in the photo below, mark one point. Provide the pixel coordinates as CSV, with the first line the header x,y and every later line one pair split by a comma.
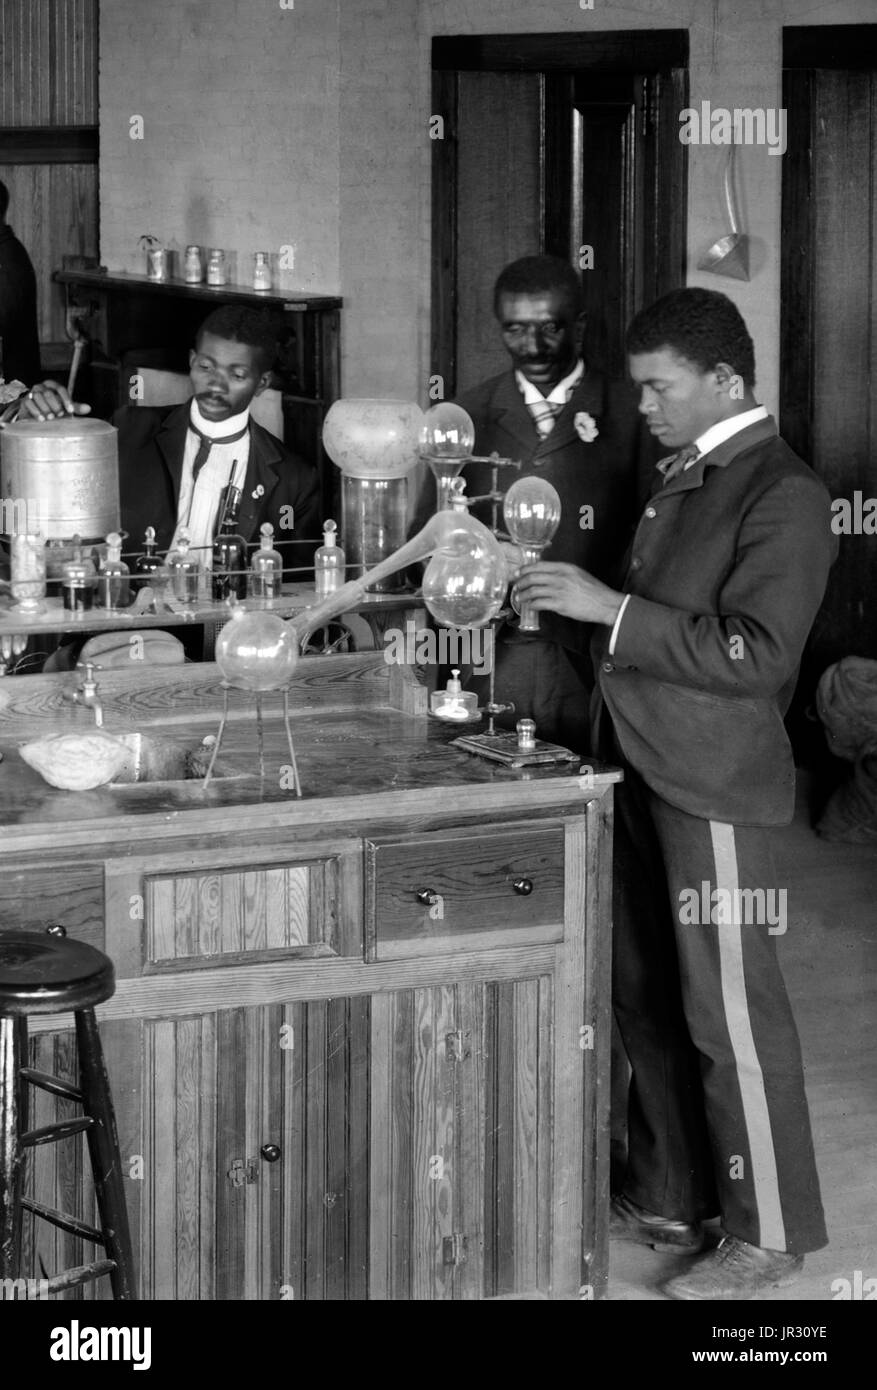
x,y
175,462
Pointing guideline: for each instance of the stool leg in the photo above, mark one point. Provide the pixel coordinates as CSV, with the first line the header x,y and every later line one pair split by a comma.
x,y
106,1162
11,1154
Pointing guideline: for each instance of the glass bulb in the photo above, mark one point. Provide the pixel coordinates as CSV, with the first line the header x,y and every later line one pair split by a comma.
x,y
531,510
465,581
448,432
256,651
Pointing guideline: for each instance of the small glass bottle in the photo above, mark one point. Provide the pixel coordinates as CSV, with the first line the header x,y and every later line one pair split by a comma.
x,y
148,563
184,571
329,565
266,569
113,584
454,702
229,552
27,555
77,583
216,272
193,270
261,270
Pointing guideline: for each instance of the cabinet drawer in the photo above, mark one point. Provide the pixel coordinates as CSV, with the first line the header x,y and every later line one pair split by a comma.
x,y
483,889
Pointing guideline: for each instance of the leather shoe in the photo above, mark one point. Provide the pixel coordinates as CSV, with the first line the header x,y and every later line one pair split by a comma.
x,y
735,1269
627,1221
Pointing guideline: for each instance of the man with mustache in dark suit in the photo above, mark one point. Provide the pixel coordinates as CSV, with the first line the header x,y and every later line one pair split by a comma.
x,y
569,424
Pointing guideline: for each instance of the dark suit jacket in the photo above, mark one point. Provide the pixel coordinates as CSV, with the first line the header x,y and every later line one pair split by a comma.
x,y
151,445
18,311
727,571
612,474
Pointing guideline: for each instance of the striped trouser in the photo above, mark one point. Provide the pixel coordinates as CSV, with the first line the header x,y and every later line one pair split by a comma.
x,y
717,1115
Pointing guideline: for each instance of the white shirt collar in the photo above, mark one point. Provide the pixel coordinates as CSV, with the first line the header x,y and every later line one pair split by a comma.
x,y
558,394
217,429
726,429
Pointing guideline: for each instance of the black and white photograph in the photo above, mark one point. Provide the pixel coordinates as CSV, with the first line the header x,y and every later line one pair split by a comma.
x,y
438,669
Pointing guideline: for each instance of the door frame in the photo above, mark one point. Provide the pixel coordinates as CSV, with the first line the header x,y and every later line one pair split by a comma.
x,y
636,52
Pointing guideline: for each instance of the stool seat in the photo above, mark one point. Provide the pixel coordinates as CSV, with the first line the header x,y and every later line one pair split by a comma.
x,y
50,974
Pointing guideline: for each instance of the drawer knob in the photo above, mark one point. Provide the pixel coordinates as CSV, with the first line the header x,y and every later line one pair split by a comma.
x,y
523,886
270,1152
427,896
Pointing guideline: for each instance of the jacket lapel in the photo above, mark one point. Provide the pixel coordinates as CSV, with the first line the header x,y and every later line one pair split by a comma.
x,y
171,443
720,457
588,397
510,414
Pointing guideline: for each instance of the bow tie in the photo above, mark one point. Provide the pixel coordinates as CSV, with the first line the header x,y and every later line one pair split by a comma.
x,y
206,443
677,463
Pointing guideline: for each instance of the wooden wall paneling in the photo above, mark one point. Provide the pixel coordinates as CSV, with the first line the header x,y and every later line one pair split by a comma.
x,y
357,1155
231,1145
292,1043
383,1211
596,1060
211,1175
188,1080
471,1135
444,1187
48,62
336,1195
423,1147
569,989
544,1131
525,1204
315,1151
122,1045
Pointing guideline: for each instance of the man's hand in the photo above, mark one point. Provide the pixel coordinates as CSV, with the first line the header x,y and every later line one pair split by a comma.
x,y
571,592
49,401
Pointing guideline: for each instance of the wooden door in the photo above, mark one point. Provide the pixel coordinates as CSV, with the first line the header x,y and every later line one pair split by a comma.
x,y
255,1128
461,1180
828,386
552,143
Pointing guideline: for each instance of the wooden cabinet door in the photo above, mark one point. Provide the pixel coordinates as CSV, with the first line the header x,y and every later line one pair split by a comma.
x,y
255,1130
461,1175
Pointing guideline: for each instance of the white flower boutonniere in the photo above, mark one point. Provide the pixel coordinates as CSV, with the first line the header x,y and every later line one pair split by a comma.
x,y
258,492
586,426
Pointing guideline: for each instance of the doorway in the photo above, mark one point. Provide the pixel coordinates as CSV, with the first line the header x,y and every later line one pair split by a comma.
x,y
565,144
828,387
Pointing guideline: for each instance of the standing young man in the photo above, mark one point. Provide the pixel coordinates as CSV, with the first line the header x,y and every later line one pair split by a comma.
x,y
697,658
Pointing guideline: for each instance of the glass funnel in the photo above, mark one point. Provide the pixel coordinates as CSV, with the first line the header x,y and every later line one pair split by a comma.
x,y
531,511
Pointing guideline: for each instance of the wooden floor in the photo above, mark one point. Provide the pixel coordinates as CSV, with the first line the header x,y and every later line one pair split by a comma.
x,y
829,958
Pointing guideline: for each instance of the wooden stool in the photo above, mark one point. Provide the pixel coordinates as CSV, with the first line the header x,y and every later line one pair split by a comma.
x,y
49,975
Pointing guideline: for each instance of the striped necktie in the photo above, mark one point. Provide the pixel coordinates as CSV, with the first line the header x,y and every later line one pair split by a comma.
x,y
676,463
544,414
206,443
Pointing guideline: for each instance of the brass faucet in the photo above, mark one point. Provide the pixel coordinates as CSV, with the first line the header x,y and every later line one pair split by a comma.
x,y
87,694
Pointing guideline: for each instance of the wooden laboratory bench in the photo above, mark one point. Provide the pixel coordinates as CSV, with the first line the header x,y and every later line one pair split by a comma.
x,y
359,1045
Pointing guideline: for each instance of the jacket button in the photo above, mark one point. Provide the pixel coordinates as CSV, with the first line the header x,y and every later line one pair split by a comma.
x,y
608,666
650,512
636,563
